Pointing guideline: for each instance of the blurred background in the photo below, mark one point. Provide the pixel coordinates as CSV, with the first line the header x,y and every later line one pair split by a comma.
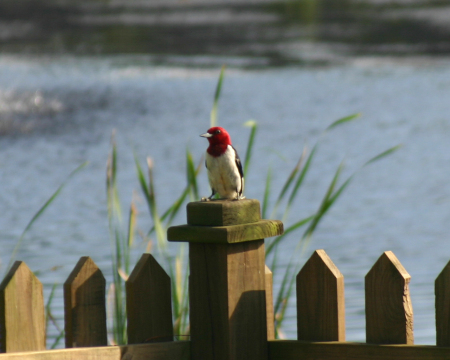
x,y
72,71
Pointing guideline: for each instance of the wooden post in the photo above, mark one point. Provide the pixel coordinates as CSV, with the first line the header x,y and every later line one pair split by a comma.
x,y
389,313
320,300
227,278
269,305
149,306
22,318
84,306
442,293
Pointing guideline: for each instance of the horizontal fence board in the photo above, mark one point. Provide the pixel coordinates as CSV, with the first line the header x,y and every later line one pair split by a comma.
x,y
302,350
179,350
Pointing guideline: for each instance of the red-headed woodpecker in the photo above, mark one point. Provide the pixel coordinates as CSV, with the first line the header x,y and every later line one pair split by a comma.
x,y
225,173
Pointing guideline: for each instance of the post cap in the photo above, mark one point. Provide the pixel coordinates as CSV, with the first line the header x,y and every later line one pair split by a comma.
x,y
223,212
225,234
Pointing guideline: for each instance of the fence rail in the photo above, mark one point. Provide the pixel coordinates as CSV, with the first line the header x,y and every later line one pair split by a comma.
x,y
231,303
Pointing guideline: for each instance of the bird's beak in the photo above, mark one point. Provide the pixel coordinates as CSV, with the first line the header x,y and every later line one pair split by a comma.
x,y
206,135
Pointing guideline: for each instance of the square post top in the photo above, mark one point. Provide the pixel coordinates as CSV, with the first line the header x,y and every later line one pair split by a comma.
x,y
224,221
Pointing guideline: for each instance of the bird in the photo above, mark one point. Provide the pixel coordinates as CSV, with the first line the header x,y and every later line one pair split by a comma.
x,y
224,166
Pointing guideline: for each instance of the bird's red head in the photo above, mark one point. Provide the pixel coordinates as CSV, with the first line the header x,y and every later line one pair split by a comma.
x,y
219,139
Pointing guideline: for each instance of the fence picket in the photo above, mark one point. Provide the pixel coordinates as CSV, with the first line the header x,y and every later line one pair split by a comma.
x,y
149,309
84,306
269,304
389,313
22,318
320,300
442,292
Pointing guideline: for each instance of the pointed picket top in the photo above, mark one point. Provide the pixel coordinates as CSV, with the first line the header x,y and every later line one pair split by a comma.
x,y
84,306
269,304
149,306
442,292
22,318
389,313
320,300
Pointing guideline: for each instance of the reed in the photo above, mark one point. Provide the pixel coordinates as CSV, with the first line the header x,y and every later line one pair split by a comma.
x,y
175,261
122,232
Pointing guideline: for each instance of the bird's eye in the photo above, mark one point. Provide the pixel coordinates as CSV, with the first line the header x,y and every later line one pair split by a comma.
x,y
217,132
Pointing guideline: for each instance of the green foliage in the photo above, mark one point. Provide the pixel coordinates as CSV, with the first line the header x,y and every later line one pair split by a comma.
x,y
122,235
49,318
40,212
120,245
216,98
177,265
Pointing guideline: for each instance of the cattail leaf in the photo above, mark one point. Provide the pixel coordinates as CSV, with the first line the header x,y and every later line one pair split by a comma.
x,y
266,193
216,98
191,175
253,125
325,204
42,209
383,154
342,121
287,231
289,180
300,179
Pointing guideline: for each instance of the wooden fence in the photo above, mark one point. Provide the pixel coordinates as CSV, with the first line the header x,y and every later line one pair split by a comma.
x,y
231,305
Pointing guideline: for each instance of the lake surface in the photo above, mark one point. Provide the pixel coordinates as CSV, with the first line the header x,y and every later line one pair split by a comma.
x,y
58,109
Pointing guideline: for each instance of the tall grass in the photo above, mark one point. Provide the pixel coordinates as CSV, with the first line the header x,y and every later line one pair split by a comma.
x,y
175,262
122,232
49,318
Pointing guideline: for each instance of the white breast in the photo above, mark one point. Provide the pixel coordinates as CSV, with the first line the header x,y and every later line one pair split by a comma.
x,y
223,174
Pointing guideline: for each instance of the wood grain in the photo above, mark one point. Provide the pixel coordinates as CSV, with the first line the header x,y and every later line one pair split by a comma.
x,y
389,313
225,234
228,301
179,350
269,304
223,212
296,350
149,306
22,318
320,300
442,303
84,306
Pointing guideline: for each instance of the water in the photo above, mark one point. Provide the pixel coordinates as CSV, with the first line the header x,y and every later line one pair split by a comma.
x,y
62,94
69,107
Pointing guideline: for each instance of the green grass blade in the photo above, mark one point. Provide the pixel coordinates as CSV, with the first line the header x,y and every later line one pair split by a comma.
x,y
289,180
343,120
191,175
287,231
173,210
383,154
216,98
300,179
149,193
50,318
142,180
266,193
39,213
282,292
253,125
326,203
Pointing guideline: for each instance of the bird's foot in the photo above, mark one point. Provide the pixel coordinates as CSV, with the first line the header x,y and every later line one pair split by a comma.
x,y
204,199
237,198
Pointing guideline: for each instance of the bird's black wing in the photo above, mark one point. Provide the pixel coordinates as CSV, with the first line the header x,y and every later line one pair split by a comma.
x,y
241,172
238,163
